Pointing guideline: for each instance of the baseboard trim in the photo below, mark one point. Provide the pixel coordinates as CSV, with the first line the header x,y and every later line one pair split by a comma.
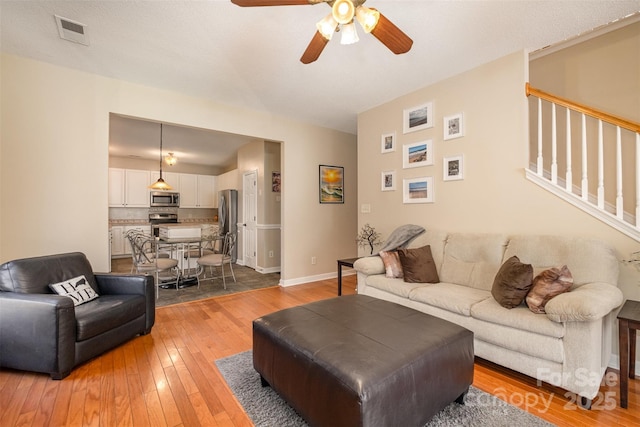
x,y
316,278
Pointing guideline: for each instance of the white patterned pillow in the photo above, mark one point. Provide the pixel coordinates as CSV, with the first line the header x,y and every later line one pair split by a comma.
x,y
78,289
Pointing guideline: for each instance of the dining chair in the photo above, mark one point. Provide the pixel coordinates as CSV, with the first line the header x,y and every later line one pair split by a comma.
x,y
219,260
147,259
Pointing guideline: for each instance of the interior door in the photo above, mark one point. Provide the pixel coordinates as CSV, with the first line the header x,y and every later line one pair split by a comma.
x,y
250,217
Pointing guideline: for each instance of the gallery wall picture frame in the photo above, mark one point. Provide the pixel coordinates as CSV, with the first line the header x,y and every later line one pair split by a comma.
x,y
388,179
331,184
453,126
388,142
453,168
417,118
418,190
417,154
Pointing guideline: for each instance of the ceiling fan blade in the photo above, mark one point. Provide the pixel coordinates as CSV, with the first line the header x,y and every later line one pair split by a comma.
x,y
315,48
251,3
391,36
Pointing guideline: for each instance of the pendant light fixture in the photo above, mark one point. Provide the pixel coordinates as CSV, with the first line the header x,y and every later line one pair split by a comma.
x,y
171,159
160,184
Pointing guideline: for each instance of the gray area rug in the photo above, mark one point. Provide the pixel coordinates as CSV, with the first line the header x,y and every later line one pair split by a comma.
x,y
267,409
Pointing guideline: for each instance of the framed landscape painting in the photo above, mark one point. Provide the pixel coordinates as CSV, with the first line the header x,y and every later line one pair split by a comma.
x,y
418,190
331,184
417,118
417,154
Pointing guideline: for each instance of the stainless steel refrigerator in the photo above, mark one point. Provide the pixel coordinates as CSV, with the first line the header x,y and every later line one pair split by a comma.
x,y
228,216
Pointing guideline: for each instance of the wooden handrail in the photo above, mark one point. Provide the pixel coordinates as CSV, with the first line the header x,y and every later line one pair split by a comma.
x,y
618,121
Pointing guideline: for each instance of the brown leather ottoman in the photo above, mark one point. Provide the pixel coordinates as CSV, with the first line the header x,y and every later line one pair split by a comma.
x,y
360,361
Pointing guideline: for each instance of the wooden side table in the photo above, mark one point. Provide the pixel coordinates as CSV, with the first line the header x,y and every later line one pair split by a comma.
x,y
347,262
628,324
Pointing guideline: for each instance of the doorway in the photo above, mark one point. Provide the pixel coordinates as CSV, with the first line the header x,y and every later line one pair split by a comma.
x,y
250,217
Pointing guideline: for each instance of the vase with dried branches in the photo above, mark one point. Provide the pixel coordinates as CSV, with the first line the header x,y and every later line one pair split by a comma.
x,y
368,237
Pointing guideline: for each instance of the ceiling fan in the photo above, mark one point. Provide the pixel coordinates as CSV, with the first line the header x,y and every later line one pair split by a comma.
x,y
341,19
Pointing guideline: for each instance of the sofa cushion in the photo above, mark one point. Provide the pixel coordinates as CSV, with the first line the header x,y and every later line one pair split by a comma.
x,y
548,284
512,283
418,265
450,297
77,289
394,286
578,253
34,275
392,266
472,259
520,318
106,313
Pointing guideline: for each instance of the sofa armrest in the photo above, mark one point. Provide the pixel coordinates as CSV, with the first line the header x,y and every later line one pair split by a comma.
x,y
121,284
588,302
37,333
369,265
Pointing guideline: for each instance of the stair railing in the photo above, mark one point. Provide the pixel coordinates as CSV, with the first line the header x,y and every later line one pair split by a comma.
x,y
612,212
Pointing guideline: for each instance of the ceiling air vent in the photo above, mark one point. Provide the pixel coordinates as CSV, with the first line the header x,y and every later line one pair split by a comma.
x,y
72,30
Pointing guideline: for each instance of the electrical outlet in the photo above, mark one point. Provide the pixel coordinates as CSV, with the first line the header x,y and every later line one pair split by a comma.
x,y
313,260
270,254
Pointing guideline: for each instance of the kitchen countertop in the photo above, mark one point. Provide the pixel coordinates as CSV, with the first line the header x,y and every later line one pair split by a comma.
x,y
143,222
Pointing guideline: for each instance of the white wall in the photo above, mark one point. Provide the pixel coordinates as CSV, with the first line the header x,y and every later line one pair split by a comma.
x,y
494,196
54,153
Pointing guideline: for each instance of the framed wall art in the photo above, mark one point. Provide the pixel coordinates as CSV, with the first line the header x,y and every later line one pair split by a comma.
x,y
388,142
453,168
417,118
453,126
388,180
275,182
417,190
417,154
331,184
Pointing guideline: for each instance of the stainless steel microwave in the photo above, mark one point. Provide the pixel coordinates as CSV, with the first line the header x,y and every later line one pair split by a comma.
x,y
165,199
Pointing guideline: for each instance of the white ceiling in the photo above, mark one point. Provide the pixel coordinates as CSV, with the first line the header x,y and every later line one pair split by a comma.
x,y
249,57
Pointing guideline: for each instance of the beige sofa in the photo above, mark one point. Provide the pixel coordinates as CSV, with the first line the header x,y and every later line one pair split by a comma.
x,y
569,346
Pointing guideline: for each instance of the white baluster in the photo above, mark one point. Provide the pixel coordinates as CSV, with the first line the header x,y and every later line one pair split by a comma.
x,y
539,158
585,178
569,175
619,197
600,167
554,146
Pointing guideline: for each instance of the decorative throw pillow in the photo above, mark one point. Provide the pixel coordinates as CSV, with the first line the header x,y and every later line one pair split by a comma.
x,y
78,289
418,265
547,285
391,261
512,283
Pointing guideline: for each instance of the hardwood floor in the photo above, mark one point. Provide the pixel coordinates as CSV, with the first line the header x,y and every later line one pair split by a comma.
x,y
169,378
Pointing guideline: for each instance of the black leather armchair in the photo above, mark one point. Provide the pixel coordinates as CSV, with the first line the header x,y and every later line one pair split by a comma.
x,y
41,331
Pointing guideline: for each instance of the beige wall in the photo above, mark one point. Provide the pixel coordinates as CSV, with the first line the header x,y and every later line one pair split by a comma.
x,y
53,172
603,73
494,196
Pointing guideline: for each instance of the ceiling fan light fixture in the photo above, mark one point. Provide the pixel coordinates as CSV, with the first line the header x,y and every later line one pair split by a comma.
x,y
171,159
368,18
349,34
343,11
327,26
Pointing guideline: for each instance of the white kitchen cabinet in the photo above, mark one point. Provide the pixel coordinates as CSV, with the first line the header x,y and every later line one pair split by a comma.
x,y
117,240
197,191
171,178
128,188
120,243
